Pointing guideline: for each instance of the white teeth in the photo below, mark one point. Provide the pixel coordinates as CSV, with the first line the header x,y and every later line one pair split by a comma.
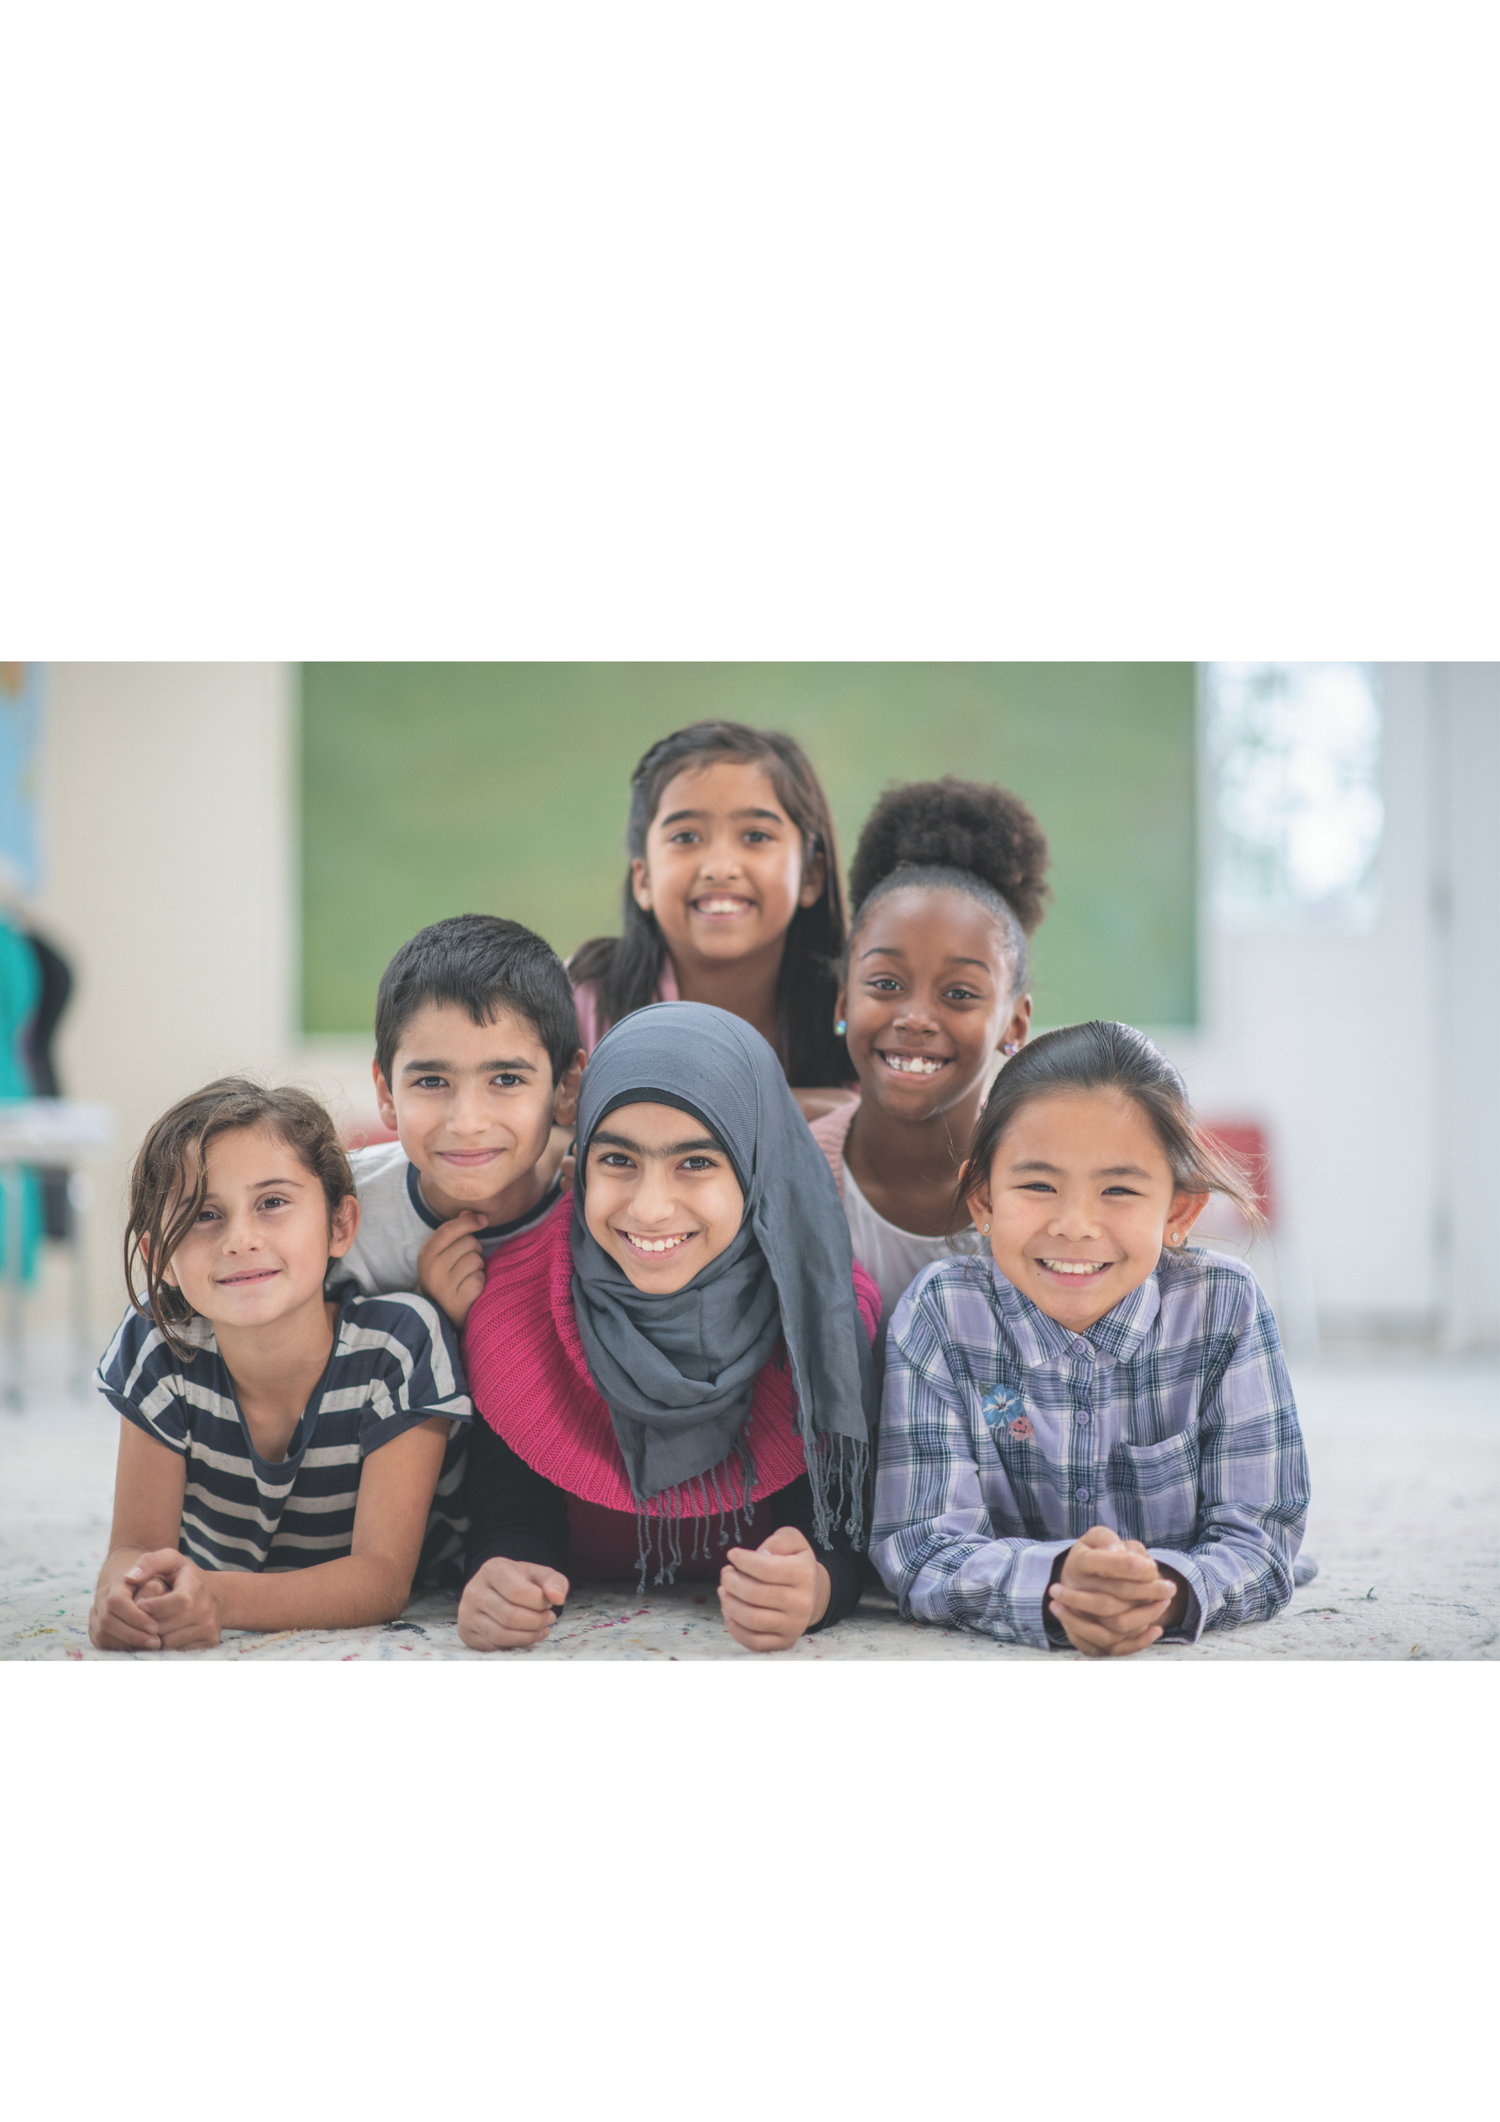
x,y
912,1064
721,906
1076,1267
658,1245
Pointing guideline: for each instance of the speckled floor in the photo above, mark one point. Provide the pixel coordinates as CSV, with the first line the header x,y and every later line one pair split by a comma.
x,y
1405,1524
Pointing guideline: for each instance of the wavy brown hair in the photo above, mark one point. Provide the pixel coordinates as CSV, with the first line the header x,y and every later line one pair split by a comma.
x,y
169,1181
628,966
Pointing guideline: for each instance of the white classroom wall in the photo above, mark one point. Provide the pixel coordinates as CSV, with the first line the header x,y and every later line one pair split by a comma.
x,y
1370,1059
169,817
168,803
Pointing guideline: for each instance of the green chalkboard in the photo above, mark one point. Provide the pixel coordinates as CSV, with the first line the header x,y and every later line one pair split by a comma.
x,y
440,788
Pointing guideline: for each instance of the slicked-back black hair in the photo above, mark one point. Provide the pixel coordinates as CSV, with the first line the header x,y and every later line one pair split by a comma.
x,y
956,835
483,964
1103,1055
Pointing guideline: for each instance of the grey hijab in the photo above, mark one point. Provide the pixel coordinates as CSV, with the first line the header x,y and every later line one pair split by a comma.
x,y
677,1371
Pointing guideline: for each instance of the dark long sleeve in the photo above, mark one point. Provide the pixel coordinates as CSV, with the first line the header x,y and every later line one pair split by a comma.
x,y
517,1513
793,1505
513,1510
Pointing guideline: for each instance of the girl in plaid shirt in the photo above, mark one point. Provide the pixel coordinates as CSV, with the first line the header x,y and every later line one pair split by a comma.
x,y
1089,1436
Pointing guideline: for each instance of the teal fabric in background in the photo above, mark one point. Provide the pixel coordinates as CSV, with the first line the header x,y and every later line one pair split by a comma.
x,y
441,788
20,990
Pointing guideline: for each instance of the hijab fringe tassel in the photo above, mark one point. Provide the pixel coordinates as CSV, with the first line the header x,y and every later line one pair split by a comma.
x,y
837,1470
712,1504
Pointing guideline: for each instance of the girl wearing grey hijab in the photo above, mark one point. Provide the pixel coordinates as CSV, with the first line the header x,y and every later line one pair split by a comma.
x,y
740,1398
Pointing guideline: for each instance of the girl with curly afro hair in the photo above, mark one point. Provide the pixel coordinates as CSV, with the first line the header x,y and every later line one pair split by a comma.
x,y
947,883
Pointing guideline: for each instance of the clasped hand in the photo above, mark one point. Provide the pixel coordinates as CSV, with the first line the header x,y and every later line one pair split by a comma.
x,y
1111,1598
163,1601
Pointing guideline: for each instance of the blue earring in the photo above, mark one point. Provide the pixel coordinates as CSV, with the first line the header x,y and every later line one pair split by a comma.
x,y
841,1025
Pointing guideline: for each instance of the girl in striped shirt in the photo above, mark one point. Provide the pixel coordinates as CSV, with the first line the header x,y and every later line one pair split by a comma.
x,y
280,1449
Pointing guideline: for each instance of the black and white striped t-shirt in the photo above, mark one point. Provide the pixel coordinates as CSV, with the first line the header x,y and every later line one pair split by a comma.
x,y
394,1365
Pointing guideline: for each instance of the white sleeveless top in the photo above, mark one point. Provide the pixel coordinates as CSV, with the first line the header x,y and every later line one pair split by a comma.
x,y
890,1256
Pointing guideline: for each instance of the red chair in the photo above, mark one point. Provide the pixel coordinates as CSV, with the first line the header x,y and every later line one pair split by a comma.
x,y
1244,1142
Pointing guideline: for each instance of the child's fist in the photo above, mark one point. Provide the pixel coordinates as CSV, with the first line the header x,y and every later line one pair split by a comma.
x,y
772,1594
450,1266
557,1159
185,1614
509,1605
116,1620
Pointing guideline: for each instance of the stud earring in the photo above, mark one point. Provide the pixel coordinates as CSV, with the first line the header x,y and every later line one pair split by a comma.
x,y
1008,1049
1174,1237
986,1231
840,1026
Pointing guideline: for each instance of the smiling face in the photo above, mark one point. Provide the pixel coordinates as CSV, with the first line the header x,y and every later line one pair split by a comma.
x,y
661,1196
928,1001
1080,1199
723,870
260,1247
474,1105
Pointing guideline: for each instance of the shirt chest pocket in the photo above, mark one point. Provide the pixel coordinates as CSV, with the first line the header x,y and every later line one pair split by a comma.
x,y
1155,1490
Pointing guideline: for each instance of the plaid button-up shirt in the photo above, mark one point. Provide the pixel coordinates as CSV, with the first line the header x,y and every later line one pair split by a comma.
x,y
1004,1436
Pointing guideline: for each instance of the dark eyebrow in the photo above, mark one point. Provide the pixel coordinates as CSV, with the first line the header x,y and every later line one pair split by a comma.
x,y
673,1149
1109,1171
446,1068
889,950
260,1186
674,817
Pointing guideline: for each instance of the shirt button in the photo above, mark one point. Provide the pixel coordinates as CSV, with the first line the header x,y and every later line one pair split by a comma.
x,y
1082,1415
1082,1494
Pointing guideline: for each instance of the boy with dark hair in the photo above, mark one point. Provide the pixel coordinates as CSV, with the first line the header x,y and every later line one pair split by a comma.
x,y
477,1058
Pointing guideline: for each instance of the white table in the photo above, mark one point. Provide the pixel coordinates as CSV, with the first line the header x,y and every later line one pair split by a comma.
x,y
64,1132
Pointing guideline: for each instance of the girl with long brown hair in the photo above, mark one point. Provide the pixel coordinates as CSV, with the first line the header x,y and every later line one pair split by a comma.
x,y
282,1443
732,898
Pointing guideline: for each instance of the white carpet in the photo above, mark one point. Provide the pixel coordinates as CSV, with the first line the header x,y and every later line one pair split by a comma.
x,y
1405,1525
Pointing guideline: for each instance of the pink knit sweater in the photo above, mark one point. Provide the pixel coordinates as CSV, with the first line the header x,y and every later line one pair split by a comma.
x,y
531,1383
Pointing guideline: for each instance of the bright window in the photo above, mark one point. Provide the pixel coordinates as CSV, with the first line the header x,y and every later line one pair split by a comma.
x,y
1294,752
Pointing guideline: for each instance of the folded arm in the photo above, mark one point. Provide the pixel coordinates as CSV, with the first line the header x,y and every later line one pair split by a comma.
x,y
932,1540
371,1583
518,1542
1253,1487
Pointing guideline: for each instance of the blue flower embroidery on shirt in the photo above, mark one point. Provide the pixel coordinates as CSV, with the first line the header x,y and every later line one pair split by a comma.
x,y
998,1406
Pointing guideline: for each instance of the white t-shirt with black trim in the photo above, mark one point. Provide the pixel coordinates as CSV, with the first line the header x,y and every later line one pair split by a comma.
x,y
395,1222
394,1364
